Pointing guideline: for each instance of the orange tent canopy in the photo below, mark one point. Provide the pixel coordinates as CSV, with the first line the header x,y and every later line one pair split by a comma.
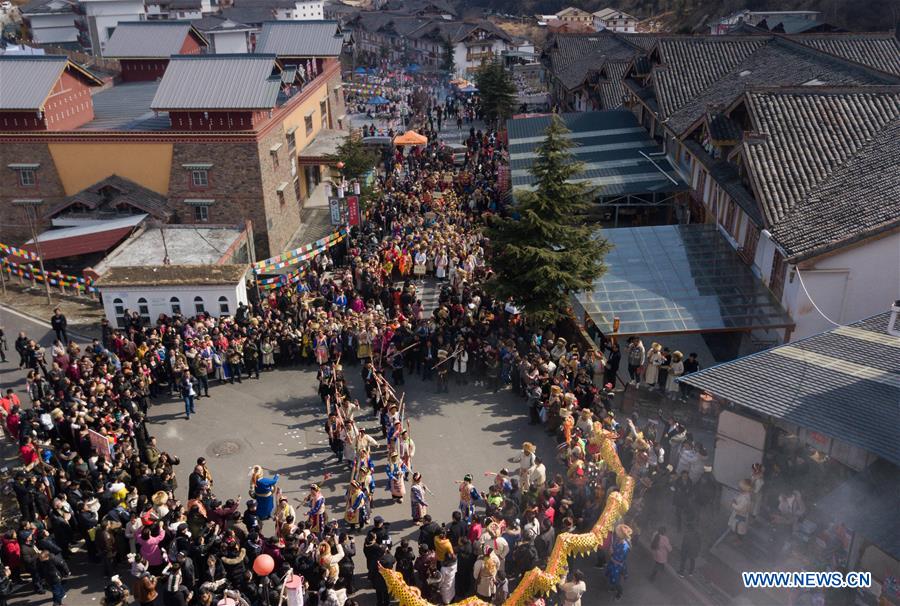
x,y
410,137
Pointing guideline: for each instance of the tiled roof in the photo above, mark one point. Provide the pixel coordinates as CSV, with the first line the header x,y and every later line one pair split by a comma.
x,y
843,383
877,50
807,134
251,15
26,80
172,275
612,89
778,62
859,199
722,128
149,39
643,41
218,23
218,82
573,56
300,39
690,64
41,7
126,191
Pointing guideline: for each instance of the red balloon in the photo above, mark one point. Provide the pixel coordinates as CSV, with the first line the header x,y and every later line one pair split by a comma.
x,y
263,564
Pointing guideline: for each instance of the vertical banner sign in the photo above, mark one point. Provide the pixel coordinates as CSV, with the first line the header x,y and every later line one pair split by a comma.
x,y
334,204
353,210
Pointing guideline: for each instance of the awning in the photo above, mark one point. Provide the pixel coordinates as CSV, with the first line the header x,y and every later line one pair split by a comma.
x,y
410,137
673,279
842,383
83,240
323,146
616,152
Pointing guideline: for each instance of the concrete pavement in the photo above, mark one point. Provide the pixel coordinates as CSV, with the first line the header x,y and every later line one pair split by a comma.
x,y
276,422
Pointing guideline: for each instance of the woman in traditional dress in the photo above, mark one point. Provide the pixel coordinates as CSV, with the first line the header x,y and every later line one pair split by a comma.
x,y
617,568
316,514
417,499
655,359
468,494
355,516
321,348
395,472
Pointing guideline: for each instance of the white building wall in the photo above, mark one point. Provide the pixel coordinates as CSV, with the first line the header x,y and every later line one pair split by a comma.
x,y
46,29
104,15
854,284
159,299
230,42
311,10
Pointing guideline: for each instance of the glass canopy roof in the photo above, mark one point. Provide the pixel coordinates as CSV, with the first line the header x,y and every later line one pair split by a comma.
x,y
677,279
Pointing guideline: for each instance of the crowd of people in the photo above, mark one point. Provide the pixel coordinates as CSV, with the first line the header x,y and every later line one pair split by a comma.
x,y
94,476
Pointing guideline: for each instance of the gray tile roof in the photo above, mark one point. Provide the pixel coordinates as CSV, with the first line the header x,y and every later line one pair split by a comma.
x,y
218,82
778,62
808,134
124,190
26,81
858,199
251,15
218,23
844,383
728,178
572,57
149,39
40,7
878,50
300,39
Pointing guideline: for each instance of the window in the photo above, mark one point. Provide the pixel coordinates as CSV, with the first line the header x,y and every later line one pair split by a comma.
x,y
729,218
751,239
200,178
323,109
308,123
201,213
292,141
119,309
280,193
144,310
27,177
199,308
176,306
776,282
223,305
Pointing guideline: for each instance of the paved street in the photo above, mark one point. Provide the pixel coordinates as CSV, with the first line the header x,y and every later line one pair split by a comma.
x,y
277,422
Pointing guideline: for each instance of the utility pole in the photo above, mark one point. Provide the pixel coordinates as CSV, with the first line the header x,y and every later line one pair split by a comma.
x,y
31,215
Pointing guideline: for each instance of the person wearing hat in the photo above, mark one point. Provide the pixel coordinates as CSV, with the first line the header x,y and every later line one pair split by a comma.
x,y
417,499
655,359
316,515
617,567
263,492
396,472
355,516
443,369
740,510
526,465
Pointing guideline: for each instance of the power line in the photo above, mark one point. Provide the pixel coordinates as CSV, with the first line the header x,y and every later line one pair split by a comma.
x,y
808,296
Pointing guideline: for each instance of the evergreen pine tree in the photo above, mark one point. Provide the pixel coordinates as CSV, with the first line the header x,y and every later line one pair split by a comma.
x,y
548,253
357,158
496,90
447,63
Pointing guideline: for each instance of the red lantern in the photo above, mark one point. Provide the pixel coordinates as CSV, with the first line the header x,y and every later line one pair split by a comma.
x,y
263,564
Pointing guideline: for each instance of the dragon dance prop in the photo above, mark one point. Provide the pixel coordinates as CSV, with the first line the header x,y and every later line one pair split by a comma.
x,y
537,582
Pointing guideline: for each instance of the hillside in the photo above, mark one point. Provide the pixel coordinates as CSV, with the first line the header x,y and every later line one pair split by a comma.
x,y
856,15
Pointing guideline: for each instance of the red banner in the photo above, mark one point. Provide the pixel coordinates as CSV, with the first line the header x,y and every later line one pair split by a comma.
x,y
353,210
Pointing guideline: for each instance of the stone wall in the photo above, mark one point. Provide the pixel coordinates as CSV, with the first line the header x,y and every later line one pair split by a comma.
x,y
282,212
234,184
13,226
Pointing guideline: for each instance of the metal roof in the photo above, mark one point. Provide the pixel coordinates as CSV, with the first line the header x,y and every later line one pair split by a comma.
x,y
672,279
844,383
301,39
239,81
608,143
83,240
149,39
26,81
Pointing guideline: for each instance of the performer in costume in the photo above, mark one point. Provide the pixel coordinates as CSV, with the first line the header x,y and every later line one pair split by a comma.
x,y
442,370
395,472
417,498
263,490
468,494
356,514
316,514
407,450
321,348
